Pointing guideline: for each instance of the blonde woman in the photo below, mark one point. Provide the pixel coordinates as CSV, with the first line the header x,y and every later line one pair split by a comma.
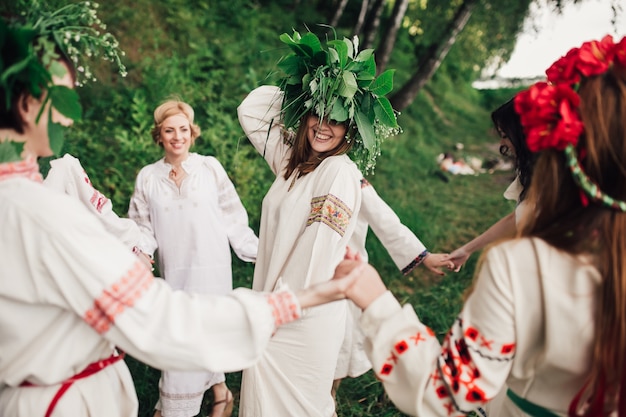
x,y
188,209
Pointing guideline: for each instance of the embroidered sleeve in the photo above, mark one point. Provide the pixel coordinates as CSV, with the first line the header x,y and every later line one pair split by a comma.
x,y
469,369
331,211
285,307
117,297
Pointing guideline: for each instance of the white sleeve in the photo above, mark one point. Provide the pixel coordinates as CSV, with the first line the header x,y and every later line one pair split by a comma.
x,y
242,238
259,116
139,212
425,378
399,241
68,176
117,296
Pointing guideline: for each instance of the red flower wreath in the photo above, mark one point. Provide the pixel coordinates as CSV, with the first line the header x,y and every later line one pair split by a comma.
x,y
549,116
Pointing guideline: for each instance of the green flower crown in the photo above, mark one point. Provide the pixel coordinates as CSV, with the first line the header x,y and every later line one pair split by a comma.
x,y
29,43
337,81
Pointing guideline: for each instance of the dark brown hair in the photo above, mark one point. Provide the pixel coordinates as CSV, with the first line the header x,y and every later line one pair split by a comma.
x,y
302,156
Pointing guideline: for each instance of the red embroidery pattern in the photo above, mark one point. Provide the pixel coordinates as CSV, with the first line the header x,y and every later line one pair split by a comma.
x,y
98,200
27,168
285,308
113,300
458,375
401,347
364,183
331,211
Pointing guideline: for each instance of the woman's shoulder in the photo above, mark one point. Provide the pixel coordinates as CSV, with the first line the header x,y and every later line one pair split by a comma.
x,y
153,168
341,163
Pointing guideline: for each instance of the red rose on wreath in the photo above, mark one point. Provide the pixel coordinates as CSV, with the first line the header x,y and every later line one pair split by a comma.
x,y
549,116
596,56
620,52
564,69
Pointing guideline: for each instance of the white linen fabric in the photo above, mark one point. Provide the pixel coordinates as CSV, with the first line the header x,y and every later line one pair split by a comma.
x,y
70,292
193,227
68,176
306,224
403,247
528,325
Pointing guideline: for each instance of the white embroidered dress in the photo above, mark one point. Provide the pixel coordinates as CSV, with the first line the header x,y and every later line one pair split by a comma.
x,y
70,292
528,326
305,227
193,227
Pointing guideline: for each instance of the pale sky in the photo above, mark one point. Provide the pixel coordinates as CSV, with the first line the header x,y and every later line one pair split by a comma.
x,y
535,51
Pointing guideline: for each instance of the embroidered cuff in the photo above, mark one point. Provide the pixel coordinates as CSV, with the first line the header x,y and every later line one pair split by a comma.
x,y
415,262
285,307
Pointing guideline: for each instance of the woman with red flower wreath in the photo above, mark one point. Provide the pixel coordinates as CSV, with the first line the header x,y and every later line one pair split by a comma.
x,y
546,318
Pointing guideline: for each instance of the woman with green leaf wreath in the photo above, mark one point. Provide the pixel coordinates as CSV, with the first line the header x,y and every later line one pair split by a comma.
x,y
546,318
73,297
329,104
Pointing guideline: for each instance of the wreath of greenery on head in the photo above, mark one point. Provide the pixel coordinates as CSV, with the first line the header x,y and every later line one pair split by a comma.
x,y
31,36
337,81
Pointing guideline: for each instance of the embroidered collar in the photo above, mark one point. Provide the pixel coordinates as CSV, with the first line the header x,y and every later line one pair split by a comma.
x,y
26,168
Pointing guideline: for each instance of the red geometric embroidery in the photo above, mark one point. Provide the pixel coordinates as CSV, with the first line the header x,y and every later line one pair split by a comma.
x,y
508,348
401,347
430,331
98,200
442,392
417,338
393,358
471,333
386,369
485,343
113,300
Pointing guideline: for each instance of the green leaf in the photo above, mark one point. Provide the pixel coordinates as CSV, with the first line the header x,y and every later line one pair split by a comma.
x,y
384,112
10,151
365,55
383,84
348,86
56,133
291,65
366,129
342,52
65,101
368,70
338,113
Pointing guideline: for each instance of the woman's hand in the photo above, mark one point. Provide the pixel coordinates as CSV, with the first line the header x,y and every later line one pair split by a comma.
x,y
458,257
365,284
435,261
332,290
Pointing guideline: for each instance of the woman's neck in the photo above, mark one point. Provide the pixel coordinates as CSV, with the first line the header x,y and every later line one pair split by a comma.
x,y
177,160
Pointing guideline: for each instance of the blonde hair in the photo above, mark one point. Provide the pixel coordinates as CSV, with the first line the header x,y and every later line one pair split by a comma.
x,y
170,108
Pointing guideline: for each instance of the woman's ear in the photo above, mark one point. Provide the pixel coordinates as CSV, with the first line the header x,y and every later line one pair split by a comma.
x,y
28,108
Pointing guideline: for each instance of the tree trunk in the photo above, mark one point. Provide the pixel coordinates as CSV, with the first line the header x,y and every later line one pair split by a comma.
x,y
433,58
358,26
373,22
383,52
338,13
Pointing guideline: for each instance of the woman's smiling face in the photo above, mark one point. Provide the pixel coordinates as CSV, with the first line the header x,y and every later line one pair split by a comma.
x,y
176,135
323,135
